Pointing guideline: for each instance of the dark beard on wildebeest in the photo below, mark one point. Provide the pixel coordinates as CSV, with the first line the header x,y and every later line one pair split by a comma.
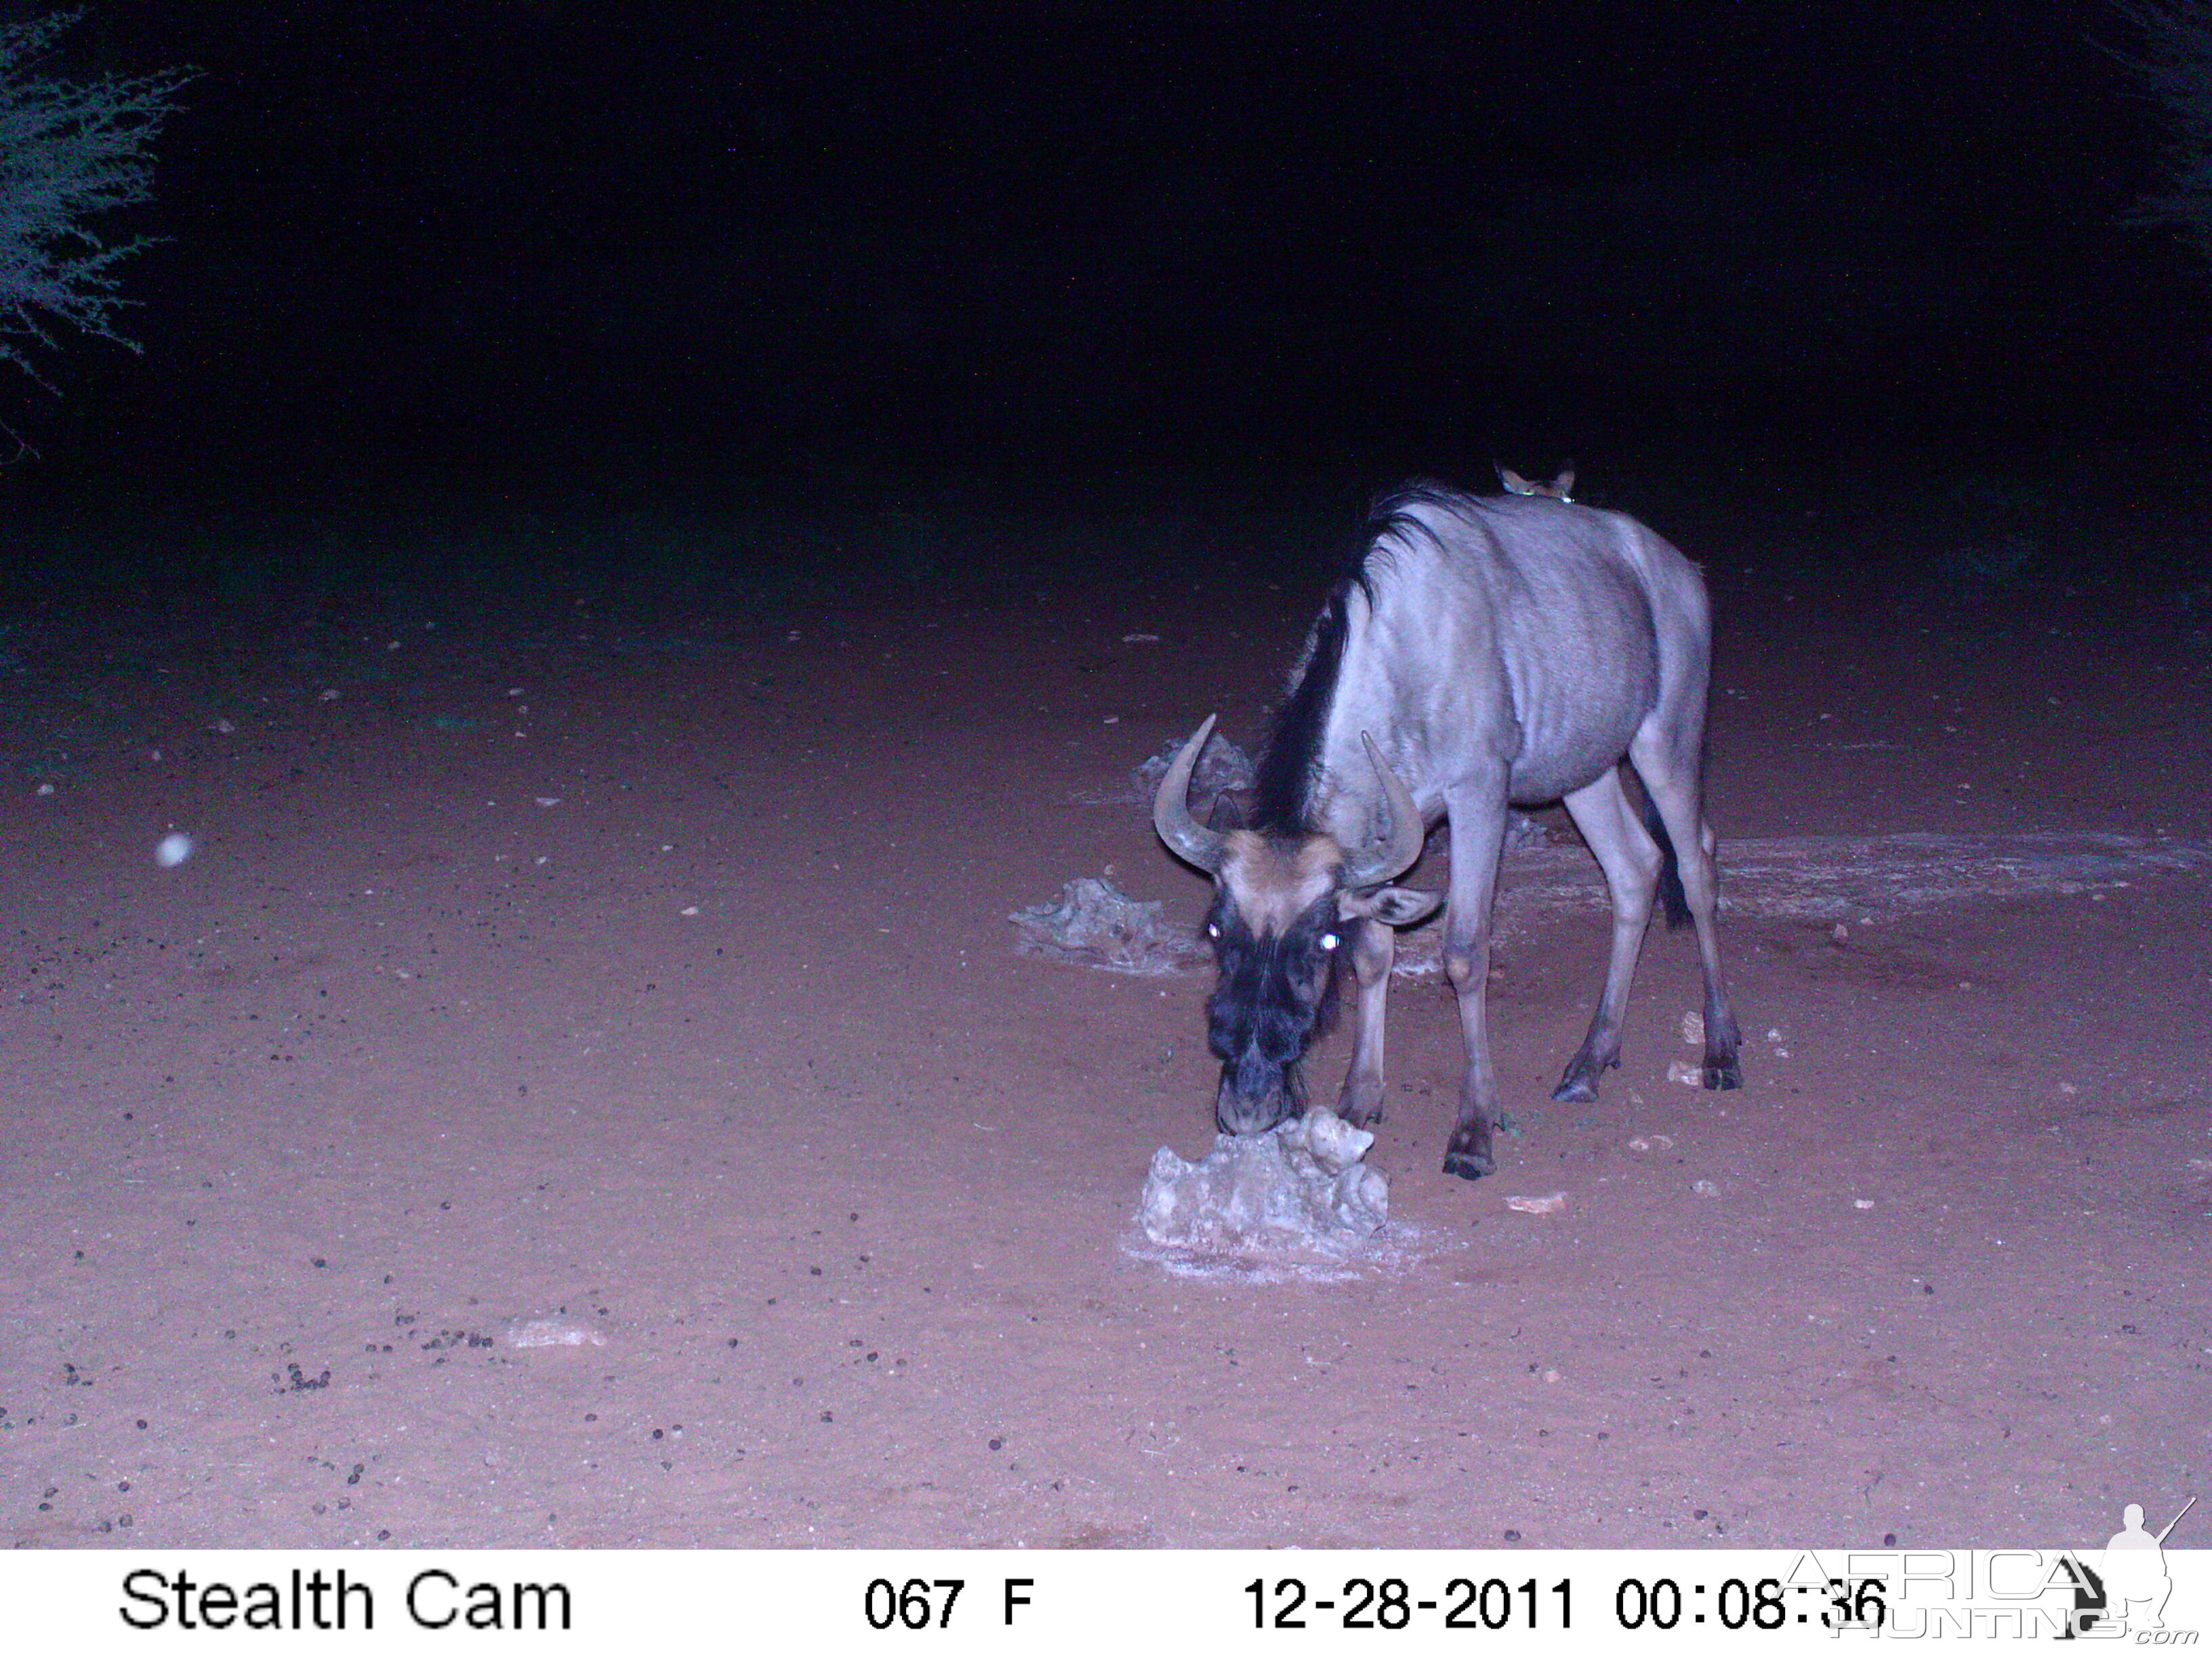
x,y
1276,996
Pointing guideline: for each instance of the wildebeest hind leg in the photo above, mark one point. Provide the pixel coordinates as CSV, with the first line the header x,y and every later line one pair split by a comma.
x,y
1631,859
1670,772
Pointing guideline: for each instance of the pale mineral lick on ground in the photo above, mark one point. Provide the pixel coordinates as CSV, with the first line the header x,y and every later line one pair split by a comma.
x,y
1096,923
1222,765
1302,1185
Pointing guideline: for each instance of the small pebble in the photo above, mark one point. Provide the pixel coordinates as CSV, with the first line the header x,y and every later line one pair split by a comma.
x,y
1549,1204
553,1331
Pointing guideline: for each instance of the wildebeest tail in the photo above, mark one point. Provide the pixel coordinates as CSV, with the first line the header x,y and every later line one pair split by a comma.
x,y
1670,869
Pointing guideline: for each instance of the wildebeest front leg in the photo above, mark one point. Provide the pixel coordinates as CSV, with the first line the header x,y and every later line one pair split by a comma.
x,y
1374,947
1478,831
1631,859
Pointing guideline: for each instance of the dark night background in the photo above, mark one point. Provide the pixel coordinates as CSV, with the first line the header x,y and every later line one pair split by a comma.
x,y
539,250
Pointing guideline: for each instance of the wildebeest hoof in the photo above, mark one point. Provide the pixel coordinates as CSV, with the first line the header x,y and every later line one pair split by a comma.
x,y
1469,1166
1724,1073
1583,1073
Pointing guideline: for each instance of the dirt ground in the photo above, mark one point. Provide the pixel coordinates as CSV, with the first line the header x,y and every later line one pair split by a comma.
x,y
649,977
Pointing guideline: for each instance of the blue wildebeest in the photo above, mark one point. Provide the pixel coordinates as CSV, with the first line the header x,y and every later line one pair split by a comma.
x,y
1485,651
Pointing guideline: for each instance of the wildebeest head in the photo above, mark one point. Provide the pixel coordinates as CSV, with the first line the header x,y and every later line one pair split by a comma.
x,y
1280,905
1516,485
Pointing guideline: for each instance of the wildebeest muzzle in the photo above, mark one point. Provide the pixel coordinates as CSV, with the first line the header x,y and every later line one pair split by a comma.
x,y
1256,1094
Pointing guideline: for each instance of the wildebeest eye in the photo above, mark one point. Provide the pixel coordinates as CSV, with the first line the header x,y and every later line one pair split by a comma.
x,y
1328,941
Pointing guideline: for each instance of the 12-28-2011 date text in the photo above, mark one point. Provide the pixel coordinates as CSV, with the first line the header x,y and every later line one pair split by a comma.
x,y
1391,1604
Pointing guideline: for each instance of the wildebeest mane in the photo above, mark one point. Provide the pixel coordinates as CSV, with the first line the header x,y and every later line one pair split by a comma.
x,y
1290,765
1392,519
1282,782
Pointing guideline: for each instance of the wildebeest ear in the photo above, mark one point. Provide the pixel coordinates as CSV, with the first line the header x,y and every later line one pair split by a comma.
x,y
1397,907
1231,809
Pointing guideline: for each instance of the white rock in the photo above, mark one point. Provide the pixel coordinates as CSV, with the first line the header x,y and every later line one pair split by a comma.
x,y
1301,1184
1361,1198
1334,1143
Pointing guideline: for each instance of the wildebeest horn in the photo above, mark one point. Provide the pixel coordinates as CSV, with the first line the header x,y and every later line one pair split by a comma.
x,y
1187,838
1379,862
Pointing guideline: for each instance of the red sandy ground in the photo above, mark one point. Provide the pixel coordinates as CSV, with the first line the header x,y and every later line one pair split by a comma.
x,y
727,1054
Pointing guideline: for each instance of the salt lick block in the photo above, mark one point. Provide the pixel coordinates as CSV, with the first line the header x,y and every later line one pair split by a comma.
x,y
1303,1183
